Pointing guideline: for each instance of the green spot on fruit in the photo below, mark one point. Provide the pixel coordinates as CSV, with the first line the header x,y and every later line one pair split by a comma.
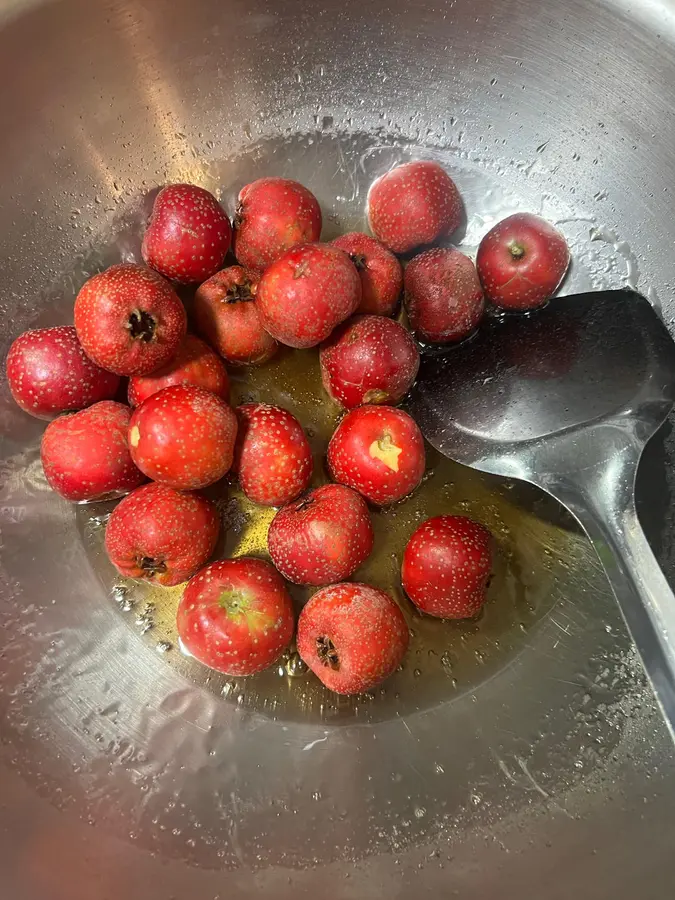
x,y
237,603
233,602
516,250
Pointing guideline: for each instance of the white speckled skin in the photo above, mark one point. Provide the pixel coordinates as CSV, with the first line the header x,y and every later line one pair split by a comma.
x,y
161,535
446,566
364,629
236,616
103,309
369,359
273,215
306,293
323,537
352,458
195,364
226,313
85,455
443,296
413,204
188,235
379,270
48,373
522,262
273,458
183,436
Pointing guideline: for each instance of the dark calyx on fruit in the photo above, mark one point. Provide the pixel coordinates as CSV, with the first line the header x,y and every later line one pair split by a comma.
x,y
152,566
359,261
327,653
239,293
517,251
142,326
303,503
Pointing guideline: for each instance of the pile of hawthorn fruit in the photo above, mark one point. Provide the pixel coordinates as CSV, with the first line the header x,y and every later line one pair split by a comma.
x,y
178,430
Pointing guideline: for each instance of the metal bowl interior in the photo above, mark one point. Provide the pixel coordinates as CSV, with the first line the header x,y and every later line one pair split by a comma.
x,y
549,766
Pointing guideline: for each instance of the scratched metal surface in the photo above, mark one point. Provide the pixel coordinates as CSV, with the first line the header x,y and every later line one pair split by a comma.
x,y
118,775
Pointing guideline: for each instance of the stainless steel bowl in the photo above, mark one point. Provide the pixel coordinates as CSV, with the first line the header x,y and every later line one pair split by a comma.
x,y
119,773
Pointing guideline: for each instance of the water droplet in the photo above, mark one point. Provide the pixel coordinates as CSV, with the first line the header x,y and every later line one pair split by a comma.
x,y
295,667
228,688
446,662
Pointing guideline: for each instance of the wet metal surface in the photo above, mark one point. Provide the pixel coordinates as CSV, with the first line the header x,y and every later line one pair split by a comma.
x,y
121,773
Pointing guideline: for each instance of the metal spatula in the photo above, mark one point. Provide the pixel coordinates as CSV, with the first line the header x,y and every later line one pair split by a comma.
x,y
567,398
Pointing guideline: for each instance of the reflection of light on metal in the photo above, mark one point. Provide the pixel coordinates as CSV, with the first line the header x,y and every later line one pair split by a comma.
x,y
509,467
137,29
96,158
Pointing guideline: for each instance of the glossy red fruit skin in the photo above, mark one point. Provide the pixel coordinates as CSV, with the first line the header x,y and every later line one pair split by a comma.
x,y
183,436
522,262
161,535
323,537
306,293
226,312
446,567
85,455
369,359
195,364
273,215
129,320
443,296
379,452
380,272
413,204
48,373
352,636
236,616
188,235
273,458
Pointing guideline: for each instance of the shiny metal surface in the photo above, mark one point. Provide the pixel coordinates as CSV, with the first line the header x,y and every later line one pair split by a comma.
x,y
567,399
118,776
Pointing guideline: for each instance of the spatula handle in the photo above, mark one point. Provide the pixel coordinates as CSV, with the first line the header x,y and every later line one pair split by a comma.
x,y
601,497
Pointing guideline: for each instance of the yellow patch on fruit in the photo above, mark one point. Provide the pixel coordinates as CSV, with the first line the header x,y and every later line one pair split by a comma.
x,y
386,451
134,436
375,396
